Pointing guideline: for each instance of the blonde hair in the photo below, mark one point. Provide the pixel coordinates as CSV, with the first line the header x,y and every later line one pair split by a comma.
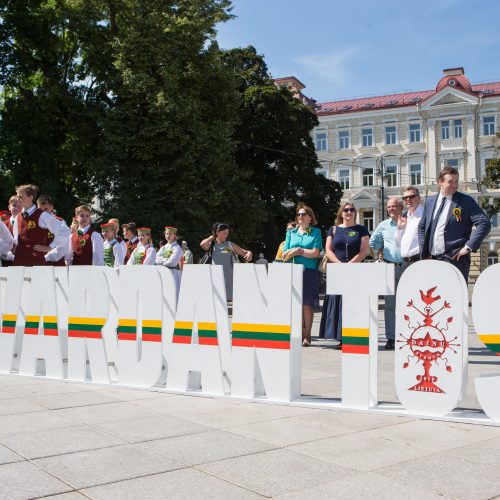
x,y
82,208
340,211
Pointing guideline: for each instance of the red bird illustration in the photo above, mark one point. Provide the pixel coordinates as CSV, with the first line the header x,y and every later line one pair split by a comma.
x,y
427,297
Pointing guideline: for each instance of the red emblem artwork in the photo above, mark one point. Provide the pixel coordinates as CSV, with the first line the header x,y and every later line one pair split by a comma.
x,y
427,340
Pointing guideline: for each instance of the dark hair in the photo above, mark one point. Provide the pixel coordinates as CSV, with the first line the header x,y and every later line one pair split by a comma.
x,y
218,227
412,188
45,198
130,226
447,170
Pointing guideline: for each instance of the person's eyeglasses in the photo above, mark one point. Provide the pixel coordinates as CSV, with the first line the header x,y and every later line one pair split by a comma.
x,y
409,197
349,210
302,214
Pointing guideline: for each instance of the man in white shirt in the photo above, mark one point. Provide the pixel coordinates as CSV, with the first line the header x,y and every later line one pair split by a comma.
x,y
407,233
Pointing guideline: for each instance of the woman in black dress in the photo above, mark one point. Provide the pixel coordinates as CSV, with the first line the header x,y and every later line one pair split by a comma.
x,y
346,242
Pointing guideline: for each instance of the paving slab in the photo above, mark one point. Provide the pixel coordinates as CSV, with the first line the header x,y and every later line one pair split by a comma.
x,y
74,495
205,447
8,456
90,468
19,405
276,472
49,442
481,452
35,421
188,484
70,400
23,480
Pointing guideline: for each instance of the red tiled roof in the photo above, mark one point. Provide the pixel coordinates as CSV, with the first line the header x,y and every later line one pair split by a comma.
x,y
394,100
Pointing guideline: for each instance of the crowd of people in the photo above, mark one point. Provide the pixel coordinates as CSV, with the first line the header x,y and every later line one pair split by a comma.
x,y
31,234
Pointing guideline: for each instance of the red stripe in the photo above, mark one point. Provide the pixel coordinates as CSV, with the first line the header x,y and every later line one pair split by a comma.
x,y
8,329
151,338
127,336
267,344
355,349
83,334
50,332
208,341
31,331
179,339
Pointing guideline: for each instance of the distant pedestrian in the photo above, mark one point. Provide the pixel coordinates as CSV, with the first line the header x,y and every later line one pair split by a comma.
x,y
262,260
187,254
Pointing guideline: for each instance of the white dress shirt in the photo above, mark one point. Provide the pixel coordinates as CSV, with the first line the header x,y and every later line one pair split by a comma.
x,y
169,255
97,248
407,238
6,239
438,244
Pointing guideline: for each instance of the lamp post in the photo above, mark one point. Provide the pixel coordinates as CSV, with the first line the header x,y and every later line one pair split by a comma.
x,y
381,171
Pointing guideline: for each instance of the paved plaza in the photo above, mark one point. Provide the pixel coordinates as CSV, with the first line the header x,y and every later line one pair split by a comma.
x,y
68,441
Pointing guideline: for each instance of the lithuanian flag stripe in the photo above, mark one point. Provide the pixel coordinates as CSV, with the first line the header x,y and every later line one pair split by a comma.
x,y
491,341
266,344
82,328
9,323
355,340
278,337
260,328
354,349
355,332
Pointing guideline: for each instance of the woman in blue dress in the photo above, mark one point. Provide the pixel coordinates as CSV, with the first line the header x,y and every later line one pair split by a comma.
x,y
346,242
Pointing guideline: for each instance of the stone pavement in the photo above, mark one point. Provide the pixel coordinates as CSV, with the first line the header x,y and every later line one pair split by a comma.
x,y
68,441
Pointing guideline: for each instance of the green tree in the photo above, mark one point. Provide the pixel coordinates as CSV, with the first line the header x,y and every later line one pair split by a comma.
x,y
492,180
274,145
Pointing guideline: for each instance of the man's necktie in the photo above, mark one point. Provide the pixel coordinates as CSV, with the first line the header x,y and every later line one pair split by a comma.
x,y
435,222
24,214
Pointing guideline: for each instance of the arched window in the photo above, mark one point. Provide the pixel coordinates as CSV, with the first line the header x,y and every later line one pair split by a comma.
x,y
492,258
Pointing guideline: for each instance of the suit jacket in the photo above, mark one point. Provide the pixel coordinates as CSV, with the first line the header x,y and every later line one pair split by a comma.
x,y
458,229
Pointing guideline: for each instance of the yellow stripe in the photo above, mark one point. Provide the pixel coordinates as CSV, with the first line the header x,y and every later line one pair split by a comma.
x,y
127,322
32,319
10,317
50,319
259,328
488,338
86,321
187,325
355,332
151,322
206,326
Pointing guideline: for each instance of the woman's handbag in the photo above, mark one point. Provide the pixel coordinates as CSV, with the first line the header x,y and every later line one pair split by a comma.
x,y
207,258
324,260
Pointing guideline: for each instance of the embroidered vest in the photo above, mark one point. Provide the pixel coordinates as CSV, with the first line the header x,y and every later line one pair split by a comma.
x,y
29,235
82,248
130,248
109,256
139,255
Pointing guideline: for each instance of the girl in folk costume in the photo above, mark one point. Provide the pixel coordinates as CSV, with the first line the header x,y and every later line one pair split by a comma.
x,y
170,255
86,246
144,254
113,251
119,239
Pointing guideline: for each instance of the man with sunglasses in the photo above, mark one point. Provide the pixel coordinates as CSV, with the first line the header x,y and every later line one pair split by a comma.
x,y
407,233
383,243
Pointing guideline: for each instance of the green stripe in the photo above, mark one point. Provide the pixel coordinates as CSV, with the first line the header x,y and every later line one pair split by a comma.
x,y
493,347
31,324
182,332
207,333
85,328
127,329
151,330
8,323
50,326
355,340
279,337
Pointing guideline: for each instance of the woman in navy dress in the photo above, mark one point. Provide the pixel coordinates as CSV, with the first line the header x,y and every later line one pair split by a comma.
x,y
346,242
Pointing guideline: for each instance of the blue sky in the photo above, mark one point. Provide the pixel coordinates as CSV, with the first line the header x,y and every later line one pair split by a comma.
x,y
357,48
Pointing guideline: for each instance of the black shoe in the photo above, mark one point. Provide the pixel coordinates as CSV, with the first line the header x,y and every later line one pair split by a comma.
x,y
338,347
389,346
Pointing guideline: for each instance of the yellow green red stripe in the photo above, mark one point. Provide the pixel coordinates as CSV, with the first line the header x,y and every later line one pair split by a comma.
x,y
356,340
9,323
183,331
207,333
50,326
127,329
491,341
31,325
151,330
261,335
90,328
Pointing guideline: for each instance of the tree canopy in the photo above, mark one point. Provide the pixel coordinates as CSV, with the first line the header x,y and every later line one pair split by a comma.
x,y
491,180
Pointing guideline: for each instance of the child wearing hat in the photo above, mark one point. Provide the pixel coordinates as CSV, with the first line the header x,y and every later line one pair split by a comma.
x,y
170,254
144,254
113,251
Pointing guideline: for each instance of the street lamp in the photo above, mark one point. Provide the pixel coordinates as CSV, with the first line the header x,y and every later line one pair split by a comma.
x,y
381,171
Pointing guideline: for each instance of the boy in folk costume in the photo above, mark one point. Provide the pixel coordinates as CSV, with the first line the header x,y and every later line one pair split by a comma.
x,y
31,231
144,254
130,234
46,204
113,251
170,254
86,247
119,239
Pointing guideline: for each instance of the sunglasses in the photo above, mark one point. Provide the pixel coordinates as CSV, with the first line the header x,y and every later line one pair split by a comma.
x,y
302,214
409,197
348,210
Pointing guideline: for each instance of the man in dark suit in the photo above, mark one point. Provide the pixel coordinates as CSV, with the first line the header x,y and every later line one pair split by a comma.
x,y
445,229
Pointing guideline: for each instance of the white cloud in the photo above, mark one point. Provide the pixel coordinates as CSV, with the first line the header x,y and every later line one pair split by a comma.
x,y
332,66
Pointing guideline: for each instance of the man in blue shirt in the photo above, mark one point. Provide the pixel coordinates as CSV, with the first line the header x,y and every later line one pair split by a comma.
x,y
382,242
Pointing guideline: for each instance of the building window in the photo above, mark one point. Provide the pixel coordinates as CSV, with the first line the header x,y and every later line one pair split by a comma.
x,y
345,178
390,135
492,258
391,172
368,220
367,136
321,143
415,133
488,125
344,139
457,129
445,129
416,173
494,220
368,176
452,163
